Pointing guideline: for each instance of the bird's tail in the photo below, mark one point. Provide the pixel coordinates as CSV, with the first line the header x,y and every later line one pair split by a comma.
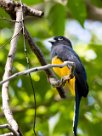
x,y
76,112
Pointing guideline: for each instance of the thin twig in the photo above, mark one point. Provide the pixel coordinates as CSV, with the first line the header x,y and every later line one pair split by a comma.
x,y
7,126
32,12
4,126
7,73
7,134
36,69
28,63
2,45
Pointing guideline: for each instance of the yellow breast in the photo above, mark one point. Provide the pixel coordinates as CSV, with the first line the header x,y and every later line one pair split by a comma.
x,y
63,72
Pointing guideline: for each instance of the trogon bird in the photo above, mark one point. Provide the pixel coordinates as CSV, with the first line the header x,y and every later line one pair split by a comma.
x,y
61,51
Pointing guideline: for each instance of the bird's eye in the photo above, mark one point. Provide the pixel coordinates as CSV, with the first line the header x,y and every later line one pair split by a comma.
x,y
60,38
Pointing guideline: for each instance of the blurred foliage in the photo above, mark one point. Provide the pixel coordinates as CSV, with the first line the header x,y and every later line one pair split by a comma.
x,y
54,116
54,15
97,2
77,12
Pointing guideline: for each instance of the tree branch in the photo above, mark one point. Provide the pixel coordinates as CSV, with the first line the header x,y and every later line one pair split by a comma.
x,y
9,127
10,7
42,60
7,73
37,69
7,134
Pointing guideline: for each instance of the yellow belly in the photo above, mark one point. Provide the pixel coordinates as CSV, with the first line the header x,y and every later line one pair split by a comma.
x,y
63,72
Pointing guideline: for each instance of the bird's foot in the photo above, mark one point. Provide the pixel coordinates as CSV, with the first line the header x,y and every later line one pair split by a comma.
x,y
55,82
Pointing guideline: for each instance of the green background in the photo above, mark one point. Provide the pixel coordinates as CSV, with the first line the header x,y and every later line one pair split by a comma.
x,y
54,115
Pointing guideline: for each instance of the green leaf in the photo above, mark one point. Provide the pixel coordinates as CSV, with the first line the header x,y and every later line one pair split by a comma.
x,y
77,9
57,19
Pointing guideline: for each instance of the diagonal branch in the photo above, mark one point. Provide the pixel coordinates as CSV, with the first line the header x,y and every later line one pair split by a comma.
x,y
42,60
7,134
37,69
7,73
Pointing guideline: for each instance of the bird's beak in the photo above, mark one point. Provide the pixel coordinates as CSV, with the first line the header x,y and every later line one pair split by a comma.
x,y
52,41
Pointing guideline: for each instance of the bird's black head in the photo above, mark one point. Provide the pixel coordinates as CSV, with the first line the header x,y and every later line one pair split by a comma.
x,y
60,40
